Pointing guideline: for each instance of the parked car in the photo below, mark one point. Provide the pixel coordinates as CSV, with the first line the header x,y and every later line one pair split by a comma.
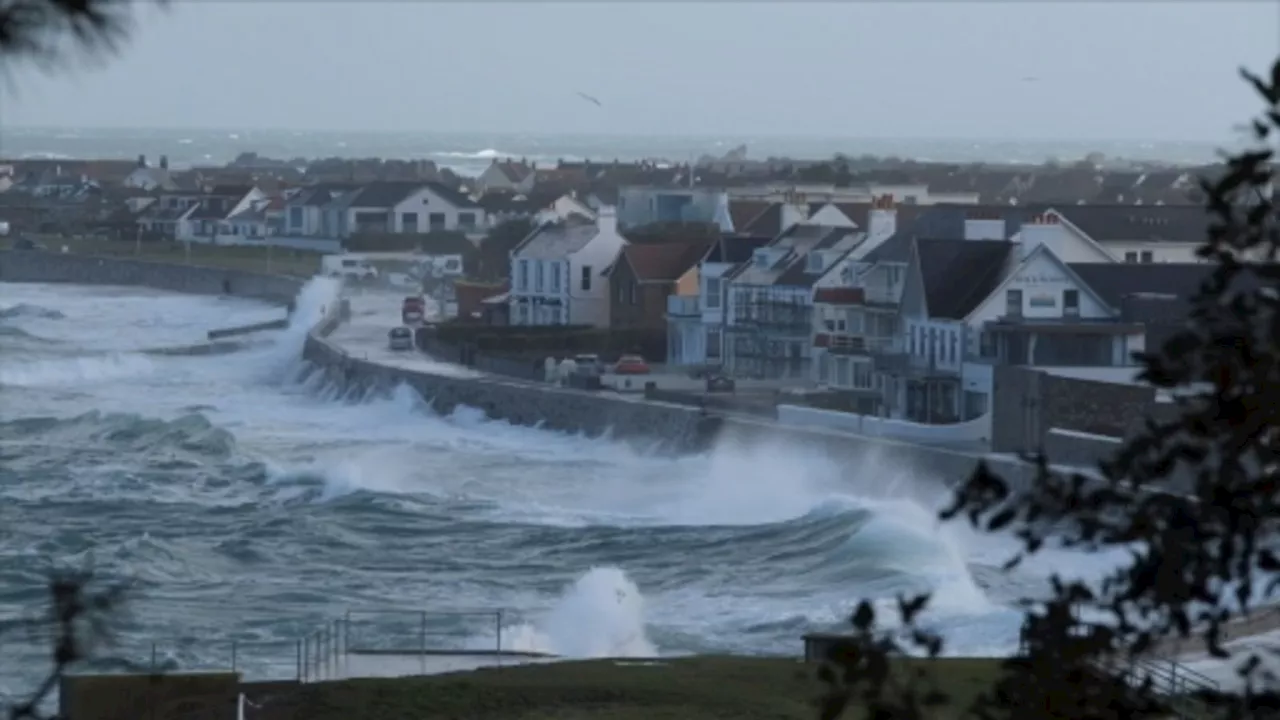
x,y
587,364
414,310
400,338
631,365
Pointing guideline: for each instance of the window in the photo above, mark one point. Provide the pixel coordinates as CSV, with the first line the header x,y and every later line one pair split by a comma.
x,y
522,314
912,335
621,292
1013,303
1071,302
951,353
436,220
295,217
713,344
466,220
555,277
635,293
986,345
524,275
824,368
1147,256
815,262
586,277
862,376
714,289
844,376
409,222
1131,257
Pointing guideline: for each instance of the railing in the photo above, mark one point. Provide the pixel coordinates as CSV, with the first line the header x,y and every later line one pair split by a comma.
x,y
684,305
325,653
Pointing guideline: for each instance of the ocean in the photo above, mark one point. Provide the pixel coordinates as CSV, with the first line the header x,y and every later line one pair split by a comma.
x,y
470,153
246,501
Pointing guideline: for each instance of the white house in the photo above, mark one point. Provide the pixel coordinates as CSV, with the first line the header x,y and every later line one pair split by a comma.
x,y
556,272
148,178
206,221
408,207
304,212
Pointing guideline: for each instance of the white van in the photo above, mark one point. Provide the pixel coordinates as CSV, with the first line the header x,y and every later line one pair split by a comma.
x,y
350,267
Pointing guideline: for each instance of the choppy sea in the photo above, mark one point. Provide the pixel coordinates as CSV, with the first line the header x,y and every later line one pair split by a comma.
x,y
470,153
244,500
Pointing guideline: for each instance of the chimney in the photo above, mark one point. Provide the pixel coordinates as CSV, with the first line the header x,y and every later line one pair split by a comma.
x,y
142,161
793,212
984,224
1042,229
164,162
607,220
882,220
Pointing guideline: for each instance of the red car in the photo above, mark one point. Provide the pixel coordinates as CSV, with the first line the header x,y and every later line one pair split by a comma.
x,y
413,311
631,365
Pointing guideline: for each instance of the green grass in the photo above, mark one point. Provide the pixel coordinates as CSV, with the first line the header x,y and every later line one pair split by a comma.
x,y
280,261
700,688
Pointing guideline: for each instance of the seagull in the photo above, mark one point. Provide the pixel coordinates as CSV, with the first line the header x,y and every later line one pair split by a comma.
x,y
588,98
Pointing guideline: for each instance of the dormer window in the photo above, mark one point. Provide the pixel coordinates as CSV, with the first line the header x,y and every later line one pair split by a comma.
x,y
815,262
762,258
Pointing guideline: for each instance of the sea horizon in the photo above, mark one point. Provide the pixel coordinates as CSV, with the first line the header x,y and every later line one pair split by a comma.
x,y
468,153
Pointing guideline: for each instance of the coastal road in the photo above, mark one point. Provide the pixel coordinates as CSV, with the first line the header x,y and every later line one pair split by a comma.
x,y
373,315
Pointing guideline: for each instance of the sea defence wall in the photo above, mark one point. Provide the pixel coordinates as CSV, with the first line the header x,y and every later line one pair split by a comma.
x,y
677,428
48,267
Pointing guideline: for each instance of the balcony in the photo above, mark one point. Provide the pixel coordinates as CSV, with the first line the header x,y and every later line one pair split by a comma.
x,y
683,306
841,343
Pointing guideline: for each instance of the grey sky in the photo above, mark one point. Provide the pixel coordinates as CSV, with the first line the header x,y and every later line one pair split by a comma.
x,y
1164,70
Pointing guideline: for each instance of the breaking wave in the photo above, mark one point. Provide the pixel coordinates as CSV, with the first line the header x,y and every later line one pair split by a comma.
x,y
23,310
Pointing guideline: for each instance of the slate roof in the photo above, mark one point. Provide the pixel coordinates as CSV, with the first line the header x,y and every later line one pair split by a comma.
x,y
1113,281
735,248
958,275
554,242
1152,223
384,194
663,261
742,212
798,241
941,221
451,196
235,191
768,222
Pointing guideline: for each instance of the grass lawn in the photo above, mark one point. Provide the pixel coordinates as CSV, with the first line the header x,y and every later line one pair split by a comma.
x,y
281,261
698,688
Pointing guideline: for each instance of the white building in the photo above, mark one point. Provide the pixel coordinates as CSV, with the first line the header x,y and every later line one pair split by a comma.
x,y
695,323
408,207
556,272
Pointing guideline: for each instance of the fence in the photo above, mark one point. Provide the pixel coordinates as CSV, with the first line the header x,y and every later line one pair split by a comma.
x,y
324,653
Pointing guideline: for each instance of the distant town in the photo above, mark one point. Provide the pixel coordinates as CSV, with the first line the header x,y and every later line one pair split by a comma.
x,y
892,285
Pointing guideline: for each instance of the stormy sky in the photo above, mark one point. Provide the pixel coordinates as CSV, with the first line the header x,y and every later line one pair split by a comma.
x,y
1014,70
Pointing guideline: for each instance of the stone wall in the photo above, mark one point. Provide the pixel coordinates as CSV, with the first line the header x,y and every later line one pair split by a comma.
x,y
1027,404
47,267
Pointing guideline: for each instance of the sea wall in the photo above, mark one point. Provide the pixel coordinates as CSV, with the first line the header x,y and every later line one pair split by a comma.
x,y
48,267
676,428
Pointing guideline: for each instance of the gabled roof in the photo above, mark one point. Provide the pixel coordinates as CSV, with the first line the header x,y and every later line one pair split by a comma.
x,y
662,262
742,212
768,222
555,241
957,275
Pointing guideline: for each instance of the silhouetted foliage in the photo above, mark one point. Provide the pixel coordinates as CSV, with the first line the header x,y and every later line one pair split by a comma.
x,y
75,624
48,32
1198,560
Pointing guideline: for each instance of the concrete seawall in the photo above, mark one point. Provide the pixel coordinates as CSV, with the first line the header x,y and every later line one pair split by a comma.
x,y
677,428
46,267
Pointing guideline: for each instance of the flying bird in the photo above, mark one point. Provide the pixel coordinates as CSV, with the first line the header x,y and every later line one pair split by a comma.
x,y
588,98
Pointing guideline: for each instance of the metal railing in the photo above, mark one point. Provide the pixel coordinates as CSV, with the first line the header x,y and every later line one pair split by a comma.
x,y
324,653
